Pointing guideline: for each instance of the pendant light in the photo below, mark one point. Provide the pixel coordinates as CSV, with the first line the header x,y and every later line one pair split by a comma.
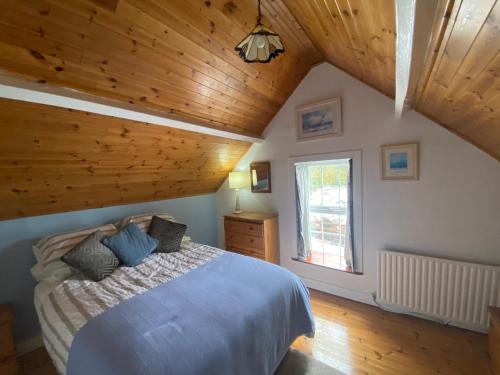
x,y
261,45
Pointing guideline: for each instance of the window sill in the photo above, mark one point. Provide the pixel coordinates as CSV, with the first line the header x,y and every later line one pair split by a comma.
x,y
328,267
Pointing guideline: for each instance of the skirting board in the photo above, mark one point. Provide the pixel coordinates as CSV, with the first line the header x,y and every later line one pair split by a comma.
x,y
435,318
338,291
29,345
367,298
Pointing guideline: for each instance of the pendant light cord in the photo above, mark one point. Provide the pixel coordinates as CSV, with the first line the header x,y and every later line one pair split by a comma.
x,y
259,17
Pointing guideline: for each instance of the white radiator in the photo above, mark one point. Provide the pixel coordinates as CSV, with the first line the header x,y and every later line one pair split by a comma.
x,y
455,292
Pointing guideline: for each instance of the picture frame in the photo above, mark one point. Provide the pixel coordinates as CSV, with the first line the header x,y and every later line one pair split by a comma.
x,y
260,177
399,161
319,120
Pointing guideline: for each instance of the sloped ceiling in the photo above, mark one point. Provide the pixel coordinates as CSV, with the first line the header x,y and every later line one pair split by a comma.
x,y
55,159
357,36
173,55
461,91
178,56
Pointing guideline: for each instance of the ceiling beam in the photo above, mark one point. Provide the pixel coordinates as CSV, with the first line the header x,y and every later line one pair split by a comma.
x,y
33,92
414,25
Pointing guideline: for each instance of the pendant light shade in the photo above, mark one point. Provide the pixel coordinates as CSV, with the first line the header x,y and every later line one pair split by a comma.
x,y
261,45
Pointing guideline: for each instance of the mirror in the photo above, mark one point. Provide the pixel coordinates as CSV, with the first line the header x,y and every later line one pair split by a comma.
x,y
260,174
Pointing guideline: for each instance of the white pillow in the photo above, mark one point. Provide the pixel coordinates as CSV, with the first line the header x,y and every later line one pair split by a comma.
x,y
55,272
51,248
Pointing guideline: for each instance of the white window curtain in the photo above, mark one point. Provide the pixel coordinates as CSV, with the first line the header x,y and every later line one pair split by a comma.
x,y
349,238
302,203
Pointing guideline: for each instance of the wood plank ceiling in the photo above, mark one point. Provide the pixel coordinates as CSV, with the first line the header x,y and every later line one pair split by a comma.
x,y
462,93
54,159
357,36
173,55
178,56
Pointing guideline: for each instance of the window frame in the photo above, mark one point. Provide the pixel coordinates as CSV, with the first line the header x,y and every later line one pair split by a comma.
x,y
357,189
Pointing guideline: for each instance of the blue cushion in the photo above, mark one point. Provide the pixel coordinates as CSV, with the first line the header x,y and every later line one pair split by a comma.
x,y
131,245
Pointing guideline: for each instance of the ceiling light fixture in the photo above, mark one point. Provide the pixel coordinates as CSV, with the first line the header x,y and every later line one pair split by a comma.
x,y
261,45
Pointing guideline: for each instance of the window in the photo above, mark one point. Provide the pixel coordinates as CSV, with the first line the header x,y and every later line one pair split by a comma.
x,y
325,199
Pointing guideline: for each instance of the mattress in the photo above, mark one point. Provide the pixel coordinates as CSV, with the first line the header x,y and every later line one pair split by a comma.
x,y
66,307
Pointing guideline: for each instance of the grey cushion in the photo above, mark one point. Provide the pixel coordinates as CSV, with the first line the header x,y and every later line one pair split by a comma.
x,y
169,234
92,258
131,245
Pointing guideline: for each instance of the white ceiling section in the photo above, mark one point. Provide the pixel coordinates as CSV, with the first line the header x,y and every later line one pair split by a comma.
x,y
27,91
414,23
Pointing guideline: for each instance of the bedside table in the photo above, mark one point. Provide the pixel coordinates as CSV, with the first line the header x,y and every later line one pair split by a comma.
x,y
253,234
8,358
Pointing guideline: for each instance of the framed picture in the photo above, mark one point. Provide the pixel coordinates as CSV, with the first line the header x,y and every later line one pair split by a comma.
x,y
318,120
260,177
400,162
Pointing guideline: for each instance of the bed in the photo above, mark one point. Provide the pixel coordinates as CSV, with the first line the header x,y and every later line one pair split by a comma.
x,y
200,310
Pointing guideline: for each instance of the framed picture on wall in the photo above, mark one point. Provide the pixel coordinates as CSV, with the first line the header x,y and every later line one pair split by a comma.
x,y
399,161
319,120
260,177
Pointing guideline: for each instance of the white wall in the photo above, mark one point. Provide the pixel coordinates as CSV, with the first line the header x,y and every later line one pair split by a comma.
x,y
453,211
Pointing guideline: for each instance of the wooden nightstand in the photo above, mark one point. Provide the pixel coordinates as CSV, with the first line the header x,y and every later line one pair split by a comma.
x,y
494,338
8,359
253,234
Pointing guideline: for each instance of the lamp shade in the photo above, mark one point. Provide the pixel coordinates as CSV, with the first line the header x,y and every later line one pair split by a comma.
x,y
261,45
238,180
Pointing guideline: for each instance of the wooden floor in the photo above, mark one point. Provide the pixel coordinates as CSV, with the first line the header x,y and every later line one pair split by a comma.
x,y
355,338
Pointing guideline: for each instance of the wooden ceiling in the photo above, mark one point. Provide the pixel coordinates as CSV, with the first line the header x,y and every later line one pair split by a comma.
x,y
173,55
460,88
177,56
462,91
54,159
357,36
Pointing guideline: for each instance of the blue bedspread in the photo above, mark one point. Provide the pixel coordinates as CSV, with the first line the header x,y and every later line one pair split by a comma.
x,y
232,315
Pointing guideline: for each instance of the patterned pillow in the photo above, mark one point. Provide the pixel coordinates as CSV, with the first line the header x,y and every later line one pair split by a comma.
x,y
131,245
168,233
92,258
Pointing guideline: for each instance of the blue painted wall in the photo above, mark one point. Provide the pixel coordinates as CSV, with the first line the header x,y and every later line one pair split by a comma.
x,y
17,237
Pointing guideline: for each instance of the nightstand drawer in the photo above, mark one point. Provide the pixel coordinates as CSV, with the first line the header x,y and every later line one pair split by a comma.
x,y
242,241
250,229
253,234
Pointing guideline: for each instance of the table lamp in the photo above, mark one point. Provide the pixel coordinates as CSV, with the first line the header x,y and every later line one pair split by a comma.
x,y
237,181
